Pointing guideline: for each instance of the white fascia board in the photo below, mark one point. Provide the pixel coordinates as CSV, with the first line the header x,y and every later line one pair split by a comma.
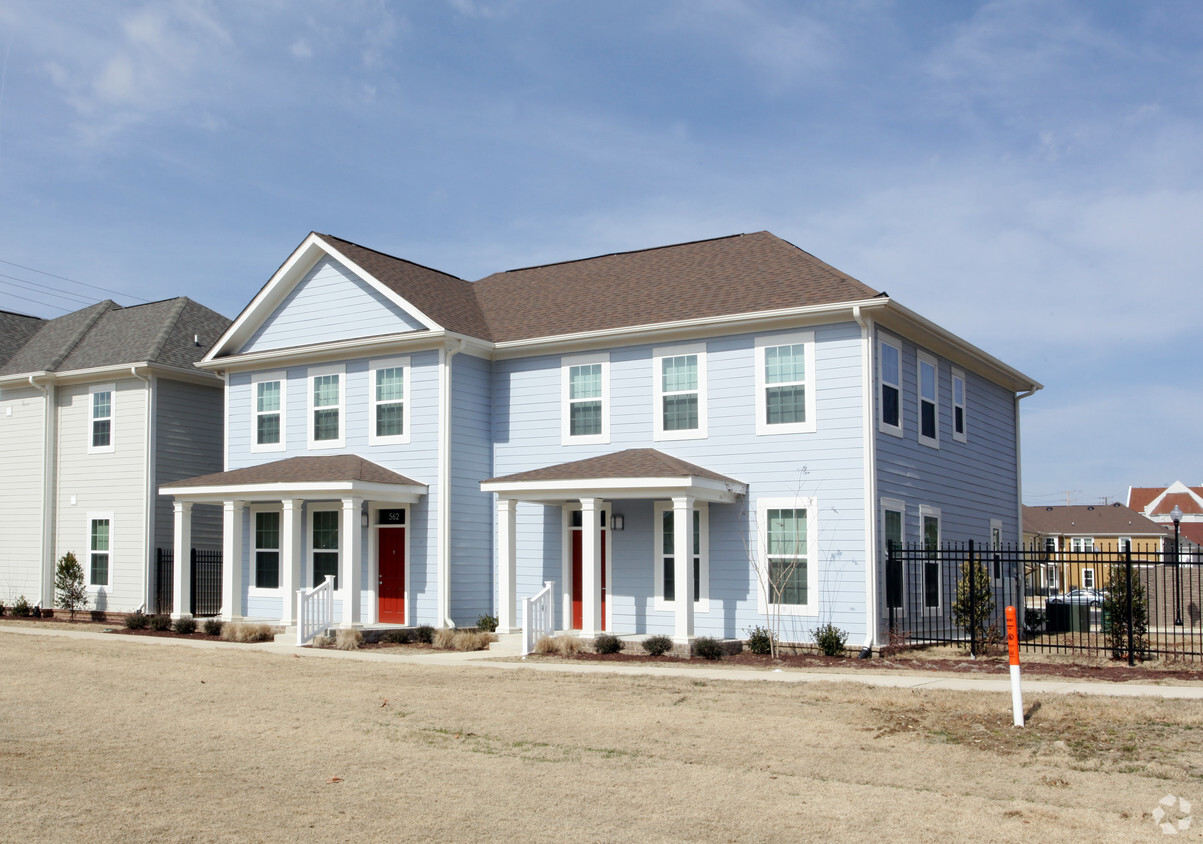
x,y
702,489
301,261
399,493
410,341
110,373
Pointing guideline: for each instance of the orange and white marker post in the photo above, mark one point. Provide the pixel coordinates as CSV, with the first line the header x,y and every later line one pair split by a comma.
x,y
1013,649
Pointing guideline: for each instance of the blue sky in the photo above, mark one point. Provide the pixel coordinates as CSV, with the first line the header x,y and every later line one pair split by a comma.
x,y
1026,174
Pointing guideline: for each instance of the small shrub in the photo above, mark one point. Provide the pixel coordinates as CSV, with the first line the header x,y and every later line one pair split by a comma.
x,y
22,609
607,643
424,634
568,645
213,627
348,640
2,608
657,645
708,647
397,637
900,642
444,638
471,640
487,623
184,626
760,641
1033,621
137,620
830,639
70,593
160,622
247,633
546,645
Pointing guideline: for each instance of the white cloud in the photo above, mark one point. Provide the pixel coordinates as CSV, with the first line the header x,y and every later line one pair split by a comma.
x,y
300,49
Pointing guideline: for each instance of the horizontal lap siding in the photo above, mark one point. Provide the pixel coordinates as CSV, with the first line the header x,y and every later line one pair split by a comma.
x,y
22,444
471,509
330,303
188,443
826,464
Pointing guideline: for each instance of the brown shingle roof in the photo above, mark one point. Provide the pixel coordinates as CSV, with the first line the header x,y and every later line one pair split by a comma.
x,y
302,470
1089,520
632,463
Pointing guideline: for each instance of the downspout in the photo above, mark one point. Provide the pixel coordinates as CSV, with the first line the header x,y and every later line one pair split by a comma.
x,y
49,427
149,497
869,414
444,515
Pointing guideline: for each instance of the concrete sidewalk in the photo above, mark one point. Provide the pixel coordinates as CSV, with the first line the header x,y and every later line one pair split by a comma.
x,y
697,670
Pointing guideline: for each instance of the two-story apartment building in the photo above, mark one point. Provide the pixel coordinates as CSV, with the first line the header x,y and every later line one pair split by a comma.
x,y
1068,535
730,420
97,408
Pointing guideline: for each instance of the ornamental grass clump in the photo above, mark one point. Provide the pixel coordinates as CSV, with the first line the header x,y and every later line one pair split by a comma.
x,y
247,633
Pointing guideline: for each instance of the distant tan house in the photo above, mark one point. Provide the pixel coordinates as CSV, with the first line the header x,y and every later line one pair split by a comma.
x,y
1068,533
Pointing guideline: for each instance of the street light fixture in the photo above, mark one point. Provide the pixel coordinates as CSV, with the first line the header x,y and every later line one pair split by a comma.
x,y
1176,515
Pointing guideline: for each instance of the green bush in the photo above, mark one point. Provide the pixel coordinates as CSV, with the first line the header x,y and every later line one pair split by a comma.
x,y
973,608
1115,610
212,627
397,637
70,593
487,623
1033,621
607,643
760,641
658,645
184,626
830,639
22,608
424,634
2,608
137,620
160,622
708,647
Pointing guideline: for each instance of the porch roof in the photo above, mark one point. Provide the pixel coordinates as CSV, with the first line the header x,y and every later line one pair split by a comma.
x,y
633,473
331,476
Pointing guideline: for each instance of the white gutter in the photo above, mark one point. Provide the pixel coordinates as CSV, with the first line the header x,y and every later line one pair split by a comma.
x,y
148,476
868,433
444,514
46,587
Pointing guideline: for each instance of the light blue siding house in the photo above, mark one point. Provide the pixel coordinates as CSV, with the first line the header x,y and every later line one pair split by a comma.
x,y
680,440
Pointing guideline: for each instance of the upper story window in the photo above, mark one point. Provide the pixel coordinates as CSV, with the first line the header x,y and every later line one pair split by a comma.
x,y
929,401
267,411
100,418
389,384
958,405
889,369
99,545
1081,543
585,399
785,390
680,392
326,401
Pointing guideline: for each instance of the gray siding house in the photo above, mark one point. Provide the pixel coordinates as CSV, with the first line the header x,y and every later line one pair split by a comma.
x,y
97,408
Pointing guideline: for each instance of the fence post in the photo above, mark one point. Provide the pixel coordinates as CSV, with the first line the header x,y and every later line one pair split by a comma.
x,y
972,603
1128,579
892,584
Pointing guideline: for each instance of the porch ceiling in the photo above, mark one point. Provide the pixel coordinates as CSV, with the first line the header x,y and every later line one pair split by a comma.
x,y
633,473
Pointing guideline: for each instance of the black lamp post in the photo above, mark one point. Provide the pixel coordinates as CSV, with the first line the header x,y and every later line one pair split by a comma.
x,y
1176,515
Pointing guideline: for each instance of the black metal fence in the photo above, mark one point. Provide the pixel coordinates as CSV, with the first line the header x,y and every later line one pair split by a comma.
x,y
1133,603
206,581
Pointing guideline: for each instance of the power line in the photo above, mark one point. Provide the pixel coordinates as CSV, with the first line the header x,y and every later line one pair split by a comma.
x,y
39,302
73,281
25,284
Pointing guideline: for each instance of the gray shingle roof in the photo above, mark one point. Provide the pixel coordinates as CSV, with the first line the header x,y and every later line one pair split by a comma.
x,y
15,331
106,334
631,463
335,468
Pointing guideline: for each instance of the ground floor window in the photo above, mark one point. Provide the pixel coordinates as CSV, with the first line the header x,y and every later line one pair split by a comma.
x,y
930,518
788,557
267,550
325,545
892,511
666,570
99,543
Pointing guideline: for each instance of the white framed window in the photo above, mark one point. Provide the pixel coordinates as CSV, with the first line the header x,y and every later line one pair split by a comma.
x,y
268,394
893,515
679,393
99,566
889,377
585,399
100,418
933,587
1079,544
1125,544
327,400
958,406
388,385
1051,579
324,529
1087,578
787,539
928,389
1050,545
664,557
785,383
265,549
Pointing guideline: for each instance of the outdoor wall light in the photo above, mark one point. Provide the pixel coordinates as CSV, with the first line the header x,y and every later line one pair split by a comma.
x,y
616,522
363,519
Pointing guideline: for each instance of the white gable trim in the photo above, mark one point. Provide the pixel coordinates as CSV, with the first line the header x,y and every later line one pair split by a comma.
x,y
291,272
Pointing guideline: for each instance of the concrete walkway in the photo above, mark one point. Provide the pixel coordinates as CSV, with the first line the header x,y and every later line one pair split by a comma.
x,y
696,670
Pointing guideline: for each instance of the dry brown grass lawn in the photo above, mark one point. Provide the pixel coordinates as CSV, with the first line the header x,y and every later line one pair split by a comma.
x,y
108,741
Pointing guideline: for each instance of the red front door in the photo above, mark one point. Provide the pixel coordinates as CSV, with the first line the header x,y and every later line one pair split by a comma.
x,y
577,591
391,561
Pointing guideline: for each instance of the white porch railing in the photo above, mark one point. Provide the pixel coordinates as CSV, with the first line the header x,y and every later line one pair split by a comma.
x,y
537,617
315,611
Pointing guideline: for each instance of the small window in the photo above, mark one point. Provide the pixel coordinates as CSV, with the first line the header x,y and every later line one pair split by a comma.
x,y
1088,578
958,406
785,384
100,418
890,376
665,559
892,520
99,545
1050,545
930,520
680,392
929,407
1080,544
585,394
389,380
267,411
326,398
267,550
325,545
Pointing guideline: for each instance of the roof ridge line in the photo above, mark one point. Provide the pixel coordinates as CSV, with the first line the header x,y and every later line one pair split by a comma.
x,y
160,340
392,257
625,252
83,330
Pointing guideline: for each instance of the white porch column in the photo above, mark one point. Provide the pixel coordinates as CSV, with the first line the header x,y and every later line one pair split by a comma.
x,y
591,563
350,559
290,557
231,560
683,569
507,567
181,584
